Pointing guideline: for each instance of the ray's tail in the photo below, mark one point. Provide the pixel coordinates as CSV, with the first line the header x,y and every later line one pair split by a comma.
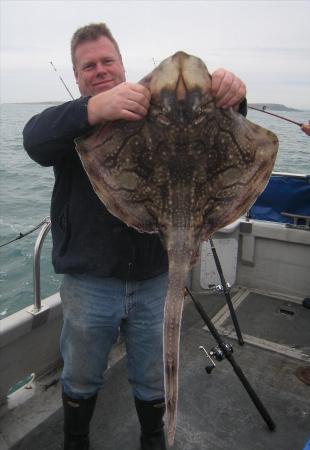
x,y
179,263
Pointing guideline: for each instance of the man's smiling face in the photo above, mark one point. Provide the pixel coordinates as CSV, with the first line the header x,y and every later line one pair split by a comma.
x,y
98,66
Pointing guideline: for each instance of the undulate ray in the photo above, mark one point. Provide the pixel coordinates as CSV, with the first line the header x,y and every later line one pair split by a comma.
x,y
186,170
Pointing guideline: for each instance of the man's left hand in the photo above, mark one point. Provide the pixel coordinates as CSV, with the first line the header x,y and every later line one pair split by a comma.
x,y
227,89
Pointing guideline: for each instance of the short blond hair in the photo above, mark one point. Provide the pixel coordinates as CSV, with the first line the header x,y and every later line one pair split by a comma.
x,y
91,32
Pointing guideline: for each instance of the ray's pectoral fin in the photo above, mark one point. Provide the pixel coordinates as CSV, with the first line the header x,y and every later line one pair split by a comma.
x,y
115,174
238,185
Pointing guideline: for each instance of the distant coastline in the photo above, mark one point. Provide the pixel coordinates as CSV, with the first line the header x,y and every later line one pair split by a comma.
x,y
272,107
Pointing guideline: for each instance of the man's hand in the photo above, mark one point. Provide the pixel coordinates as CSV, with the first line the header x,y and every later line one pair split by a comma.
x,y
306,128
126,101
227,89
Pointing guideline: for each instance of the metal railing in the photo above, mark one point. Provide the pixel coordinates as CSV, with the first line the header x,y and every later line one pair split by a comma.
x,y
291,175
37,266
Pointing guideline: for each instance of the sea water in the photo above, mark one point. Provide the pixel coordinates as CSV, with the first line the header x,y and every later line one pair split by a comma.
x,y
26,187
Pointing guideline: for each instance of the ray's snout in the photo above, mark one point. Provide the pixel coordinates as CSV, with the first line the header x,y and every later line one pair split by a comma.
x,y
180,85
180,74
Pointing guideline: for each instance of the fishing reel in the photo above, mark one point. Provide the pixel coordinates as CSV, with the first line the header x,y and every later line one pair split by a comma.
x,y
218,288
218,353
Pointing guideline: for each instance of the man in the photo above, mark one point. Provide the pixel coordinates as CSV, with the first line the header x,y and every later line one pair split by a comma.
x,y
114,276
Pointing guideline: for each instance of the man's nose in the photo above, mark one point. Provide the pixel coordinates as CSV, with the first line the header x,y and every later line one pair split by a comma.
x,y
100,69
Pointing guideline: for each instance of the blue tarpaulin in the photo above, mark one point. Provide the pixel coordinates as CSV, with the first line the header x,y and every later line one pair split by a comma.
x,y
283,194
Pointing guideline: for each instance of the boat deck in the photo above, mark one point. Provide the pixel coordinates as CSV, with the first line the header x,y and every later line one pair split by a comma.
x,y
215,412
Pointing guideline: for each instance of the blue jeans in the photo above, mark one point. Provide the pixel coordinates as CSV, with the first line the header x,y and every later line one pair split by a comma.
x,y
94,310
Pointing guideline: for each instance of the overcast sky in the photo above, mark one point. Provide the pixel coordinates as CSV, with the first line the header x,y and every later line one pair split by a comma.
x,y
266,43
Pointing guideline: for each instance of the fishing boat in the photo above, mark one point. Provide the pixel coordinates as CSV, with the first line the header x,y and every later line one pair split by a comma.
x,y
258,303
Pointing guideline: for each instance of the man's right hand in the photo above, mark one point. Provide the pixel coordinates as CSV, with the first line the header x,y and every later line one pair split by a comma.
x,y
126,101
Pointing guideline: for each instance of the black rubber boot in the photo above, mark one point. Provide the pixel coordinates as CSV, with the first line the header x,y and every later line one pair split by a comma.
x,y
152,425
77,416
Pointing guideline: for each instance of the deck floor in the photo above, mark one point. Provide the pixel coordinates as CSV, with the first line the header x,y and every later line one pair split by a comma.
x,y
215,411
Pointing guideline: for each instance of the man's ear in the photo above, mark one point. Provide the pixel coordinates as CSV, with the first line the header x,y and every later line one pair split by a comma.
x,y
75,73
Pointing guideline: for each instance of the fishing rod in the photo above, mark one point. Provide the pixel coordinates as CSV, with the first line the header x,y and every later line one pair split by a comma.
x,y
51,63
22,235
276,115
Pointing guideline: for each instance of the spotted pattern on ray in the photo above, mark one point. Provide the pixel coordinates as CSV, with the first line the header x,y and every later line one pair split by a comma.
x,y
186,170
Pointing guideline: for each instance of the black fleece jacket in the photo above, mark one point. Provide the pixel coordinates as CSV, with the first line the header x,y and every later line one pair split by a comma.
x,y
87,239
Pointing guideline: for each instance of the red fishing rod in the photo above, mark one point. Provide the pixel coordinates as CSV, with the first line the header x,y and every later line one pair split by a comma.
x,y
276,115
